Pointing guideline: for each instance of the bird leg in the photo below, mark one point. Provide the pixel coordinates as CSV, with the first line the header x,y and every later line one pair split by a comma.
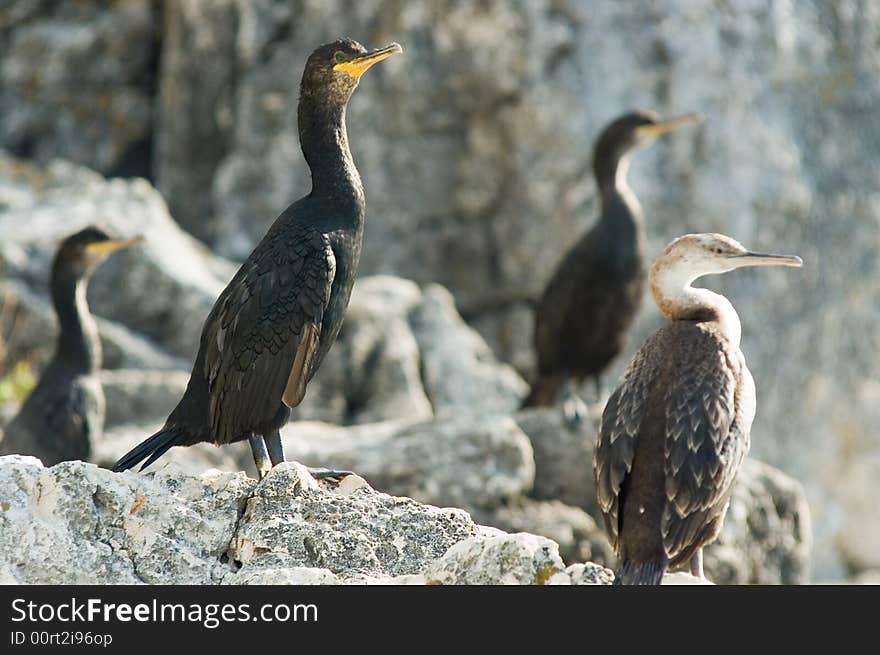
x,y
261,456
276,455
275,448
696,564
597,381
574,410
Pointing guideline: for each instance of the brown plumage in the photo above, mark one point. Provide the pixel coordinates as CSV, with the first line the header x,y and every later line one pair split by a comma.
x,y
675,431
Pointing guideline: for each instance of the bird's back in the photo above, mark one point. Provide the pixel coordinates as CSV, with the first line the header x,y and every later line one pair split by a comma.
x,y
301,272
672,437
591,300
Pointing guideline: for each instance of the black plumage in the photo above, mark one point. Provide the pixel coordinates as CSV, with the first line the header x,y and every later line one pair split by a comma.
x,y
675,431
64,414
275,321
596,291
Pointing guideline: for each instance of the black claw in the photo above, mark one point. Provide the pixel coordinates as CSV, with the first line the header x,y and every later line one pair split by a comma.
x,y
323,474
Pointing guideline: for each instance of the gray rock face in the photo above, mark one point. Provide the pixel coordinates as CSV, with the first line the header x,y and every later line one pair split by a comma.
x,y
72,85
75,523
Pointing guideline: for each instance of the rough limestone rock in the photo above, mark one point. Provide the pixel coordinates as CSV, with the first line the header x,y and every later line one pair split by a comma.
x,y
77,80
767,536
502,559
583,574
76,523
575,531
480,181
162,288
469,463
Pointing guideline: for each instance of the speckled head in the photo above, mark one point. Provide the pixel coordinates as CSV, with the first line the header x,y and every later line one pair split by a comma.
x,y
80,253
696,255
333,69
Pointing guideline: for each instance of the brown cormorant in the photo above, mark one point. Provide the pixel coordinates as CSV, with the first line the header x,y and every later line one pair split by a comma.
x,y
595,293
64,414
675,431
273,324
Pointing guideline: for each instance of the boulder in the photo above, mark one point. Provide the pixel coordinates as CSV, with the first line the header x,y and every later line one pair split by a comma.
x,y
575,531
75,523
464,463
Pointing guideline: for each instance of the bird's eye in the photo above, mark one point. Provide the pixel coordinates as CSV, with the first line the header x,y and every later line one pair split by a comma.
x,y
339,57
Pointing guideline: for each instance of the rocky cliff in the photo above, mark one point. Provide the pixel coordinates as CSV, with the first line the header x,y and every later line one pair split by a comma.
x,y
475,152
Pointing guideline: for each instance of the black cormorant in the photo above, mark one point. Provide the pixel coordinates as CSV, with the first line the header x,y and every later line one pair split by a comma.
x,y
675,431
273,324
64,413
595,293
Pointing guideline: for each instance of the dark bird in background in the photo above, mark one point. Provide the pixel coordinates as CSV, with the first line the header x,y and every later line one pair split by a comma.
x,y
273,324
595,293
64,413
674,433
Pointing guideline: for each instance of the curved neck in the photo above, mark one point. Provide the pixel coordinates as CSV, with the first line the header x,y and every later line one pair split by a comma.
x,y
679,301
611,178
78,344
324,141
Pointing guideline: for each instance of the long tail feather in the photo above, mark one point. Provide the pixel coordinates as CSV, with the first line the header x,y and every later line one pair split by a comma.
x,y
150,449
640,573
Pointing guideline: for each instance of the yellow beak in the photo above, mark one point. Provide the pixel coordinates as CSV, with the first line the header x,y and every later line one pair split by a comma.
x,y
112,245
359,65
657,129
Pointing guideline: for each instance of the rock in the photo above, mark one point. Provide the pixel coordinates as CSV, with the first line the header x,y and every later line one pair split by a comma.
x,y
75,523
72,84
766,537
563,457
680,578
578,536
78,524
460,372
363,533
522,558
162,288
372,373
469,463
139,396
583,574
